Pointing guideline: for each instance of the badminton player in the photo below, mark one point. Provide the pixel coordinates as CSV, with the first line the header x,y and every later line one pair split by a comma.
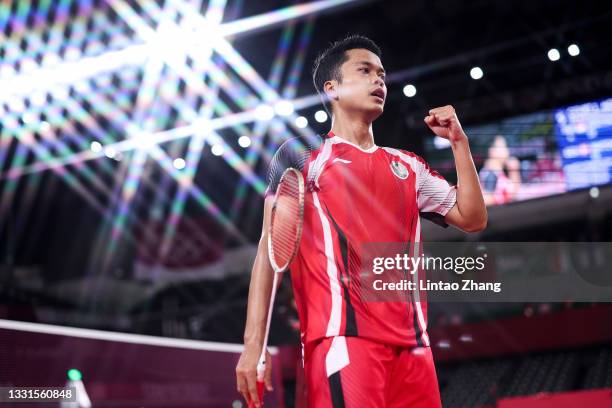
x,y
359,354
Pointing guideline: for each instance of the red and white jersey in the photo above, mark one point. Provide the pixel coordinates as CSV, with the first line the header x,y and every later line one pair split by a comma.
x,y
357,196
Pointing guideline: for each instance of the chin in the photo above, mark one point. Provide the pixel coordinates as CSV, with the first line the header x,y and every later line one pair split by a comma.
x,y
376,111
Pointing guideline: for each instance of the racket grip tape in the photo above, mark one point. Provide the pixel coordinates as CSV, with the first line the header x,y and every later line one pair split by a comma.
x,y
260,393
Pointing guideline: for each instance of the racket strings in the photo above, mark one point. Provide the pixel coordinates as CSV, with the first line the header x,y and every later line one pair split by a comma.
x,y
285,226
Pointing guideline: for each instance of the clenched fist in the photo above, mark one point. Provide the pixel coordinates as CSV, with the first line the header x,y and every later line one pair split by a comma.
x,y
443,122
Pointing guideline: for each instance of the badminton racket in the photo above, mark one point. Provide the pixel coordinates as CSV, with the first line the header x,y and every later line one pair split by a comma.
x,y
284,232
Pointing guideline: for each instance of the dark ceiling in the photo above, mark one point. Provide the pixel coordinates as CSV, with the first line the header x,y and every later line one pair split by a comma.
x,y
433,45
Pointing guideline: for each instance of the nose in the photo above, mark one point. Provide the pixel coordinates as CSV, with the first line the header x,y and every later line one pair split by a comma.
x,y
379,81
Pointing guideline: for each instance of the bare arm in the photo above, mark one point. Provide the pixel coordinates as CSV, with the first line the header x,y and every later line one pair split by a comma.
x,y
260,287
470,212
257,312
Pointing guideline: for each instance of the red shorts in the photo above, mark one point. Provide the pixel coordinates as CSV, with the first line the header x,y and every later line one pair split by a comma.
x,y
351,372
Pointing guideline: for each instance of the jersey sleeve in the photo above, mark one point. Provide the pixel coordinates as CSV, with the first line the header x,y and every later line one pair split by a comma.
x,y
435,196
292,153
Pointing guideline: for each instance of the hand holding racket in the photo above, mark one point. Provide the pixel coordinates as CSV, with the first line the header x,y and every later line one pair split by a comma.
x,y
284,234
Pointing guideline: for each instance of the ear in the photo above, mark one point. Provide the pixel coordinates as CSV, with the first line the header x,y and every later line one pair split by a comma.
x,y
330,89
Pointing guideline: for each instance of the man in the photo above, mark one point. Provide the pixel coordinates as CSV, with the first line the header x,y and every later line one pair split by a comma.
x,y
357,353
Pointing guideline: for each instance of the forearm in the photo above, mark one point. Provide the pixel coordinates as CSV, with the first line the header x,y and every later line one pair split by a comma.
x,y
470,200
260,287
259,297
470,213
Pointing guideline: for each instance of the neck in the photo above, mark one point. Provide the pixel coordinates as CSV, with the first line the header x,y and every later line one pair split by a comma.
x,y
356,131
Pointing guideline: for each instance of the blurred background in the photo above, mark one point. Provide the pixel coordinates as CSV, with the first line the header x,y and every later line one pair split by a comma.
x,y
135,136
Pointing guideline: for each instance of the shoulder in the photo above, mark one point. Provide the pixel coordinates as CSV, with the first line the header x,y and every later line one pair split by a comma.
x,y
407,156
418,164
295,146
291,145
295,152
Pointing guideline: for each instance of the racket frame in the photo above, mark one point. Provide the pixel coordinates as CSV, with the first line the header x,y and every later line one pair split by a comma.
x,y
300,220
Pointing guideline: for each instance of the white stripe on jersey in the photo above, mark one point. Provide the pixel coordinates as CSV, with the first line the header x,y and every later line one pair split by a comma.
x,y
417,297
337,356
335,318
316,167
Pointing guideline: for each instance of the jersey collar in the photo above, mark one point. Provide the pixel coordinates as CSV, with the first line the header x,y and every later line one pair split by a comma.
x,y
337,139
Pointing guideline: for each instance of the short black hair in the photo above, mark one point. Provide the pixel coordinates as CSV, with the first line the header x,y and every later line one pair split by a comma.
x,y
327,65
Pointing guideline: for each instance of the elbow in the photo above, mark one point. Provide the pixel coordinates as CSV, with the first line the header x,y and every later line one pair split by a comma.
x,y
478,225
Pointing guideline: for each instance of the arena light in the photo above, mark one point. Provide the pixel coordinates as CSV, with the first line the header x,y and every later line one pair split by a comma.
x,y
49,132
54,72
409,90
301,122
43,79
87,68
45,128
217,149
283,108
74,375
96,146
29,118
201,127
320,116
278,16
152,71
129,144
109,152
573,50
128,14
264,112
106,107
240,65
230,120
135,133
258,149
27,142
179,163
554,54
244,141
476,73
38,99
75,110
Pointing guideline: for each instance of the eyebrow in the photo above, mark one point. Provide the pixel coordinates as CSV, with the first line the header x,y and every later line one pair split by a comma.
x,y
369,64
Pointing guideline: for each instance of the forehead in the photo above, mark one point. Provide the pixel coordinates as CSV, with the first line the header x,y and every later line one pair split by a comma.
x,y
359,55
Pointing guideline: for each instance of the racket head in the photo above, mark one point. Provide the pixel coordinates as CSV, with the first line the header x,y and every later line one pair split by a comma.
x,y
286,220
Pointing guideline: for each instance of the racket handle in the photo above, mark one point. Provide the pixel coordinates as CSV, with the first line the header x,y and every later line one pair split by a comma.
x,y
260,393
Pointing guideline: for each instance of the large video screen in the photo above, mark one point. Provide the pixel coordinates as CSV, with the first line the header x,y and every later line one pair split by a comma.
x,y
584,137
537,154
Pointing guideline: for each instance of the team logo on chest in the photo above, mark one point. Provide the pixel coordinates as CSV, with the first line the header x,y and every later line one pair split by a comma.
x,y
399,170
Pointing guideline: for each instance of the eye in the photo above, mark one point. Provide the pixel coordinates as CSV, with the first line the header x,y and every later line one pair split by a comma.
x,y
364,69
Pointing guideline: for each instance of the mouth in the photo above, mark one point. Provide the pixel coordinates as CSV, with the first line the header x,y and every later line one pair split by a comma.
x,y
379,93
